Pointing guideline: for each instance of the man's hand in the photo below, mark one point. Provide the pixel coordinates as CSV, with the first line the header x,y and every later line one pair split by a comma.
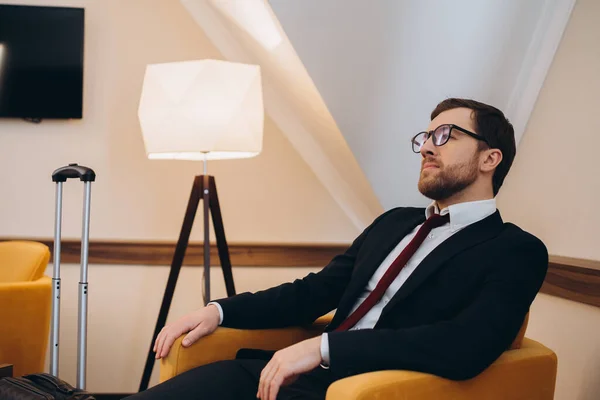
x,y
198,323
286,365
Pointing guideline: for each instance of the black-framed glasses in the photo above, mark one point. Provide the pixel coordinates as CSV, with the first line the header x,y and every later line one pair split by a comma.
x,y
440,136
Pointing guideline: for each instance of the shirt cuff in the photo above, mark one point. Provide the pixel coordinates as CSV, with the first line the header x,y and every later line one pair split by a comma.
x,y
220,310
325,349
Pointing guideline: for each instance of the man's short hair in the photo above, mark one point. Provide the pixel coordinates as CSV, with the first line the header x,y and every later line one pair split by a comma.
x,y
492,125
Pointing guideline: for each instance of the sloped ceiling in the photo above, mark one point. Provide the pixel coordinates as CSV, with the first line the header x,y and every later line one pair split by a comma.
x,y
247,31
350,81
382,66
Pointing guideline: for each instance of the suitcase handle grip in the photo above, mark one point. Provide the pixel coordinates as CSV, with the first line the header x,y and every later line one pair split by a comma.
x,y
74,171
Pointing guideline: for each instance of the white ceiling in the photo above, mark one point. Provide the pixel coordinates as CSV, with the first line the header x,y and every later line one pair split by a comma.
x,y
348,82
382,66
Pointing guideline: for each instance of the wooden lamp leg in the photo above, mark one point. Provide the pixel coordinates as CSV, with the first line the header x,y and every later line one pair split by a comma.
x,y
211,201
222,246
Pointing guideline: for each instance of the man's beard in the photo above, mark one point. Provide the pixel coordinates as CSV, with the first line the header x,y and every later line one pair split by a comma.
x,y
448,180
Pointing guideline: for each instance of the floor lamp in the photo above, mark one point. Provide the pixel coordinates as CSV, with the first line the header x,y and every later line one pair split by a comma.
x,y
200,110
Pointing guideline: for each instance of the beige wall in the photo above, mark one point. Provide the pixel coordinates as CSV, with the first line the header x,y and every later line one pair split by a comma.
x,y
553,190
572,330
272,198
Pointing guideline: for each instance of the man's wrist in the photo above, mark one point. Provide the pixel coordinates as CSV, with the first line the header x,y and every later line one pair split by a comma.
x,y
219,308
324,351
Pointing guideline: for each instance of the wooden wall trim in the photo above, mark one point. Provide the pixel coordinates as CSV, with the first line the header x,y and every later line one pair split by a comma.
x,y
573,279
570,278
161,253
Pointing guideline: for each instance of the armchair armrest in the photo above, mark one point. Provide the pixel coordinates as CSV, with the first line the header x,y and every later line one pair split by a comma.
x,y
224,343
25,324
527,373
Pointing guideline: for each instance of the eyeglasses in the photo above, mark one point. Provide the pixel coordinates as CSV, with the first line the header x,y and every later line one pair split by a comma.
x,y
440,136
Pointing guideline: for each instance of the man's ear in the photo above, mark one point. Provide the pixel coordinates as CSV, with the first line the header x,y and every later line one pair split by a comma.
x,y
491,158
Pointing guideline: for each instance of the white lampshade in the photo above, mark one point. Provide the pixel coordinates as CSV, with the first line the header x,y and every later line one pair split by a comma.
x,y
192,109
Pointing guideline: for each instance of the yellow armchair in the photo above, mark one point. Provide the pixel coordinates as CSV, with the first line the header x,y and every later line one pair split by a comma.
x,y
25,305
526,371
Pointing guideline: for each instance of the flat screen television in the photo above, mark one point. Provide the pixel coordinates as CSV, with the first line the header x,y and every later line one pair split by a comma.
x,y
41,62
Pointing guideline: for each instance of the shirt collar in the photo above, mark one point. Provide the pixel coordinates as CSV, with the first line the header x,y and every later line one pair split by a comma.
x,y
464,214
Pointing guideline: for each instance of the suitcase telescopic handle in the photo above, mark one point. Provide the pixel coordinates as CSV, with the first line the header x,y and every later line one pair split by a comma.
x,y
74,171
61,175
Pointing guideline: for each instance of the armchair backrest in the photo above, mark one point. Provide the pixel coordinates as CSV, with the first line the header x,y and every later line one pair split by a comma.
x,y
22,260
516,344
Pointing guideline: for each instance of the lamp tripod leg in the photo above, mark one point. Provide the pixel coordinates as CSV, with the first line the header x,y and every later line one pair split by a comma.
x,y
178,257
222,246
211,203
205,199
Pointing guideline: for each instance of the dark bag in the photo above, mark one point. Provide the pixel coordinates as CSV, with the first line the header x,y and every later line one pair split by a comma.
x,y
40,386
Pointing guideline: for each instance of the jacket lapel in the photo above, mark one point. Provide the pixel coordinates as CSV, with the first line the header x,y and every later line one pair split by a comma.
x,y
372,260
470,236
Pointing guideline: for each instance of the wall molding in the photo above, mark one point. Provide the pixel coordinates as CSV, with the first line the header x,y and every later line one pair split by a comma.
x,y
149,253
569,278
573,279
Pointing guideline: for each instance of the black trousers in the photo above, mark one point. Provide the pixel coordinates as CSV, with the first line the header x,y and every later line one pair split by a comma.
x,y
234,379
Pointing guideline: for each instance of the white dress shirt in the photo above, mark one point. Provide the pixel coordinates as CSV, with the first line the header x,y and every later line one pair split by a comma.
x,y
461,215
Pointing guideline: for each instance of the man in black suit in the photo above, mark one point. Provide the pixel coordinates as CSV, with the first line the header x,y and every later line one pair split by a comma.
x,y
442,290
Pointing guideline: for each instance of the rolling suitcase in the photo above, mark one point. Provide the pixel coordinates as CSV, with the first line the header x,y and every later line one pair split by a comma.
x,y
49,386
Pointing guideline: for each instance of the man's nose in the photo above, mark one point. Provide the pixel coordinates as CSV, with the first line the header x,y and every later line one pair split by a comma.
x,y
428,147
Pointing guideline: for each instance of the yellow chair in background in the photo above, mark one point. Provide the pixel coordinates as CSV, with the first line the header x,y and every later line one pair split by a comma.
x,y
25,305
525,372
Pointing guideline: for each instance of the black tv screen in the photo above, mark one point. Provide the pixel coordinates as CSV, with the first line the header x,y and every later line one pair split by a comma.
x,y
41,62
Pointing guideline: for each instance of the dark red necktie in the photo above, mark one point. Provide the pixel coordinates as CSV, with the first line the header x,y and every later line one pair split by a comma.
x,y
394,269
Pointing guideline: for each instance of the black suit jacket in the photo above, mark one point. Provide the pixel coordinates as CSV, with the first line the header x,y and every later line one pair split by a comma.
x,y
455,315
